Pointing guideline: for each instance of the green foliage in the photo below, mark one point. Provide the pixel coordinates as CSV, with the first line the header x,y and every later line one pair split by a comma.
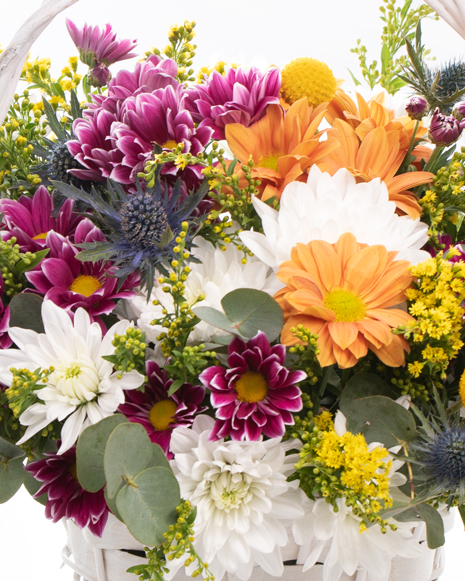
x,y
185,366
246,311
11,477
90,452
380,419
26,312
14,264
362,385
434,523
22,392
400,22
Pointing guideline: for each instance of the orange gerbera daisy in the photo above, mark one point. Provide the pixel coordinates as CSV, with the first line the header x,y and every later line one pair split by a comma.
x,y
282,145
378,155
343,293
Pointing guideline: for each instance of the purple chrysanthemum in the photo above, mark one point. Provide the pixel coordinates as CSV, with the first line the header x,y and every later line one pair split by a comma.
x,y
158,118
257,394
241,96
99,46
446,241
71,284
66,497
93,147
444,129
160,413
30,220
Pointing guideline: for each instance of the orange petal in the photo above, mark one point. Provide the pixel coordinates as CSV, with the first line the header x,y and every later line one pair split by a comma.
x,y
343,334
344,357
325,346
376,332
392,317
393,354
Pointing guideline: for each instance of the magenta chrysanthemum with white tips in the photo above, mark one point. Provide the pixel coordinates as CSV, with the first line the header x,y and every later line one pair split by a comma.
x,y
66,497
70,283
159,412
257,395
241,96
30,219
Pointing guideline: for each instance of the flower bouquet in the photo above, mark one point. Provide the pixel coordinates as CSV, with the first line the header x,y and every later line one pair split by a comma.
x,y
232,307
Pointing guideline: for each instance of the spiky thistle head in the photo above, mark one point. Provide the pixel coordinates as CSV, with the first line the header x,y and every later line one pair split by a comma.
x,y
140,227
445,82
439,452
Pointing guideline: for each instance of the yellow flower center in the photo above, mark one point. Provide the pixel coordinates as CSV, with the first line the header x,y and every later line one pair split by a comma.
x,y
85,285
41,236
251,387
73,471
170,144
162,413
307,77
346,306
270,162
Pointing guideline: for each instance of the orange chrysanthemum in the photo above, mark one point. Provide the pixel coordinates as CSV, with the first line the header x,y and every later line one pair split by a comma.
x,y
343,293
378,155
283,145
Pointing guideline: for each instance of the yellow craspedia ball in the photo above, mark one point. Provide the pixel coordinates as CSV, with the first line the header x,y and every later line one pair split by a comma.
x,y
307,77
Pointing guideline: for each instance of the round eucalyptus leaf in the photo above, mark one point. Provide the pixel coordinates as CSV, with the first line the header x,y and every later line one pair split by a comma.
x,y
90,450
148,506
362,385
25,312
10,451
127,453
11,477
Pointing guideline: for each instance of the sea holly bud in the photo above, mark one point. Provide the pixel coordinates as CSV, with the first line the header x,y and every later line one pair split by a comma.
x,y
416,107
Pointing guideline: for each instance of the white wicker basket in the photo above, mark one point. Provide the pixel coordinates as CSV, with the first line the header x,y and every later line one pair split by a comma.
x,y
107,559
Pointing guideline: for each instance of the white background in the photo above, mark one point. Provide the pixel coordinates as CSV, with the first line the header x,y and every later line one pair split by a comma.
x,y
258,32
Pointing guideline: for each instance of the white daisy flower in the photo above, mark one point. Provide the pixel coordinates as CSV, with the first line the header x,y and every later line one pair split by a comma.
x,y
242,498
218,273
326,207
83,386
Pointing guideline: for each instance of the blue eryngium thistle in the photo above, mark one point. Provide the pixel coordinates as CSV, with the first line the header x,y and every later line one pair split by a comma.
x,y
141,227
440,454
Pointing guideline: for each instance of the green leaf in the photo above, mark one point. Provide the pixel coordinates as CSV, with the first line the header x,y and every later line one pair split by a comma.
x,y
76,110
231,167
53,121
90,452
246,311
148,507
362,385
405,9
166,238
462,513
385,58
175,386
127,453
356,81
434,523
23,267
10,451
11,477
97,251
158,458
25,312
380,419
111,502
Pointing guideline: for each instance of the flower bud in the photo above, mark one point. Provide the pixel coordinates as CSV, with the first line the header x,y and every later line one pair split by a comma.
x,y
444,129
99,76
416,107
459,111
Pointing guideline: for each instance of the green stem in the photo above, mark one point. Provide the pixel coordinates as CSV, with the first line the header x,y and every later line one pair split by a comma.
x,y
434,156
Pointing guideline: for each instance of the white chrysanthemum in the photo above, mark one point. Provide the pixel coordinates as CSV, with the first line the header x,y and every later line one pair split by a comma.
x,y
242,496
326,207
218,273
83,386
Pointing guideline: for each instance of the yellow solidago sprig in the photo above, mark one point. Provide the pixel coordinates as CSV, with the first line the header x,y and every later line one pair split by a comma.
x,y
180,49
179,541
22,392
220,67
13,265
129,351
435,300
306,353
333,467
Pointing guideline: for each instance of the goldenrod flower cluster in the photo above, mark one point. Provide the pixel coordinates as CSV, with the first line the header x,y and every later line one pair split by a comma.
x,y
21,394
435,300
221,67
129,351
345,467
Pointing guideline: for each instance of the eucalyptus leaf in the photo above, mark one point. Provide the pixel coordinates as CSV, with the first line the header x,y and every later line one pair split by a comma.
x,y
215,318
111,502
90,452
432,518
127,453
362,385
32,486
380,419
158,458
148,507
10,451
25,312
11,477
